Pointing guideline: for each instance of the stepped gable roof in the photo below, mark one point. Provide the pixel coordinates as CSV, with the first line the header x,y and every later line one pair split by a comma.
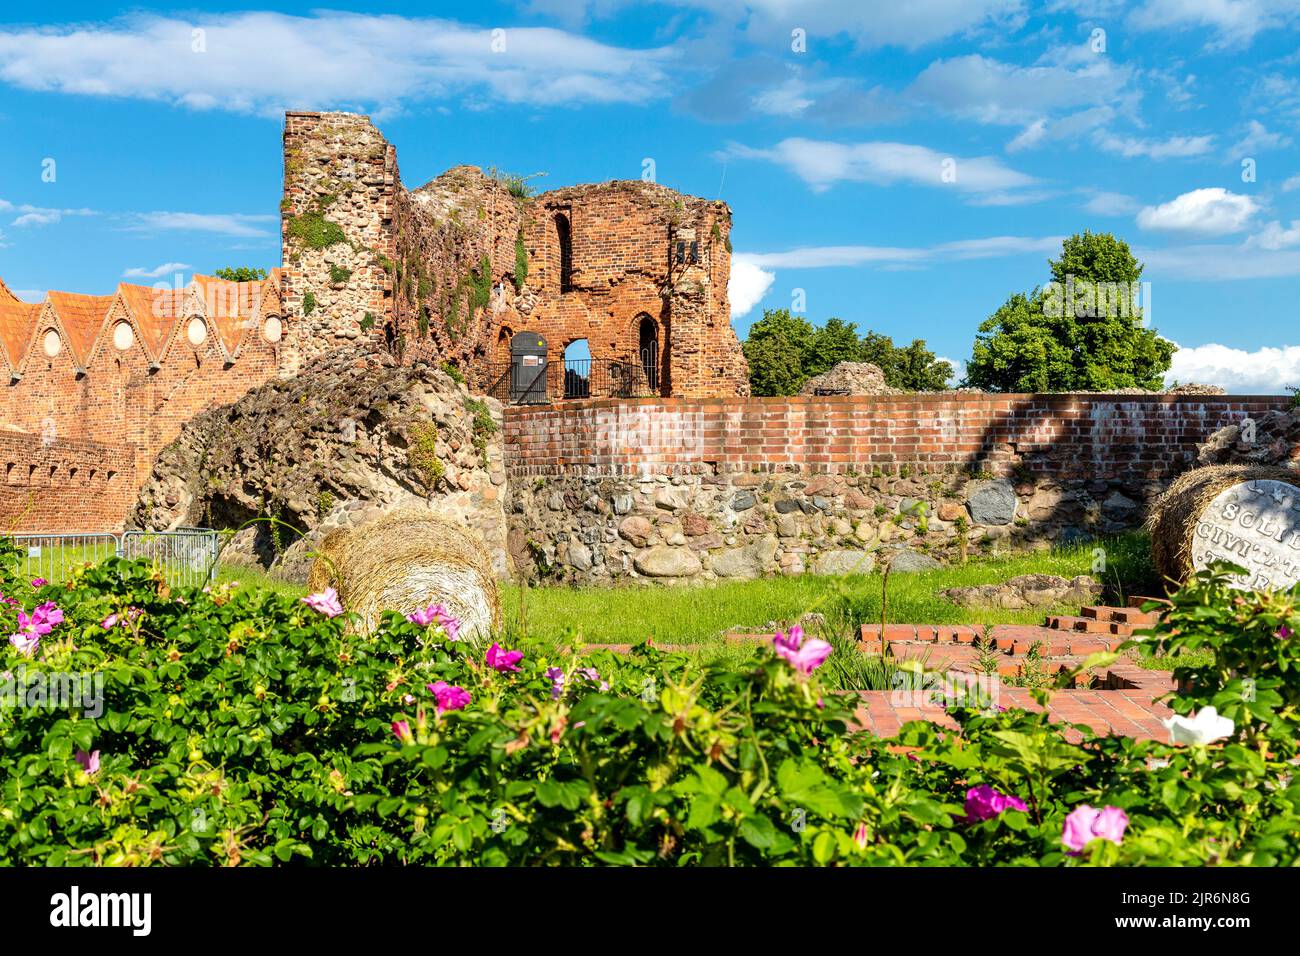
x,y
82,316
17,322
155,312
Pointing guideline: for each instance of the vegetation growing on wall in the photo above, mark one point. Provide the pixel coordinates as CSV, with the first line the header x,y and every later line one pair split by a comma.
x,y
313,230
240,274
423,454
521,261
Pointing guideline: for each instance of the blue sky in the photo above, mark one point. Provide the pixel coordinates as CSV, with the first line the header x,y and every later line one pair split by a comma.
x,y
906,165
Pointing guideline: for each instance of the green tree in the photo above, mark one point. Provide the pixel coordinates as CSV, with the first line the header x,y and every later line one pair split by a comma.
x,y
777,350
914,368
917,369
240,274
1084,331
835,342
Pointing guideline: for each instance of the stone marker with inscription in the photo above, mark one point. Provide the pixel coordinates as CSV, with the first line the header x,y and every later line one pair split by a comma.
x,y
1256,525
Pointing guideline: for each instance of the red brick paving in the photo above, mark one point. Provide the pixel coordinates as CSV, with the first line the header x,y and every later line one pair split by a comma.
x,y
1121,700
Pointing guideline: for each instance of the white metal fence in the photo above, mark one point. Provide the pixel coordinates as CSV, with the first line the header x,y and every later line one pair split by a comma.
x,y
186,556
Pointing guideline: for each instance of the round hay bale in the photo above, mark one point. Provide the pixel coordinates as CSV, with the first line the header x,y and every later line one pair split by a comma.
x,y
405,561
1186,505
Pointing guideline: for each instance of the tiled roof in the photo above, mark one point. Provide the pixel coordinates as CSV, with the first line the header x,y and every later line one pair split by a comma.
x,y
5,294
234,306
155,312
16,321
82,316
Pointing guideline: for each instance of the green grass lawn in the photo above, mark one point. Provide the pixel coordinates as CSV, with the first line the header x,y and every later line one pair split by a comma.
x,y
627,614
703,613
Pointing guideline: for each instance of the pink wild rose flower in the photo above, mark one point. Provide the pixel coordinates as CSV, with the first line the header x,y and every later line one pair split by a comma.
x,y
402,731
25,644
89,761
1085,824
439,615
804,656
985,803
449,696
326,602
506,662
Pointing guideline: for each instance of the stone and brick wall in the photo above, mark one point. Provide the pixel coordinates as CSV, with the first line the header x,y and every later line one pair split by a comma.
x,y
734,488
64,485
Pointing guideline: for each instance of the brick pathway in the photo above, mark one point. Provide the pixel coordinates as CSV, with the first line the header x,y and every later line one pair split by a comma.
x,y
1120,700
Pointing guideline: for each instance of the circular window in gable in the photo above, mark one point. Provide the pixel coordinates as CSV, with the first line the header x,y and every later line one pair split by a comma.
x,y
197,332
123,336
272,328
52,343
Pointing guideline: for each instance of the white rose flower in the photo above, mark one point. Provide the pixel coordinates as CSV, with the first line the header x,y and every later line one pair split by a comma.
x,y
1205,728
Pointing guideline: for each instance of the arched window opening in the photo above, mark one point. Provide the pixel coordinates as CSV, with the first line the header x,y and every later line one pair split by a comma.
x,y
577,369
648,346
564,237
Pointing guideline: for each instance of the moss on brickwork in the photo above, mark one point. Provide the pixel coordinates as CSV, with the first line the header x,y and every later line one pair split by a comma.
x,y
308,303
314,231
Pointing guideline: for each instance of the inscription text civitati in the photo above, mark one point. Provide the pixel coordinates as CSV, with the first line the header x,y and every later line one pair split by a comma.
x,y
1256,525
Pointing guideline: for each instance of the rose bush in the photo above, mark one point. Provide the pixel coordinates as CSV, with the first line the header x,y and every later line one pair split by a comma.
x,y
239,726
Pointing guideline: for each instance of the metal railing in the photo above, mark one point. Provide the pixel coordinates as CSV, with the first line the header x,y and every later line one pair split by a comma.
x,y
573,378
186,556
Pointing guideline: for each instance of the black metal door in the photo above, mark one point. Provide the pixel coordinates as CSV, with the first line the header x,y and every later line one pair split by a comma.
x,y
528,368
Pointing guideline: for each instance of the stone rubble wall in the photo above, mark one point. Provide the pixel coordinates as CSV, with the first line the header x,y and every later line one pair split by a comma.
x,y
350,438
678,490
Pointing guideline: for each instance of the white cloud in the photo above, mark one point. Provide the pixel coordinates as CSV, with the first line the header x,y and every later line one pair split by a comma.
x,y
29,215
226,224
1276,236
1111,204
1266,371
1174,147
29,295
958,370
822,164
1291,184
1063,129
819,257
157,272
911,24
1219,263
264,62
747,286
1206,212
990,91
1234,22
1257,138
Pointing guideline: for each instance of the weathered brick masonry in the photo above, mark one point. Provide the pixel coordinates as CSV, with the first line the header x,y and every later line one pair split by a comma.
x,y
1059,436
676,488
123,372
64,485
450,271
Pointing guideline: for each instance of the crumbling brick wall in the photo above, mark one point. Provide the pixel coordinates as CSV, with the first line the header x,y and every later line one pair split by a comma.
x,y
450,271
